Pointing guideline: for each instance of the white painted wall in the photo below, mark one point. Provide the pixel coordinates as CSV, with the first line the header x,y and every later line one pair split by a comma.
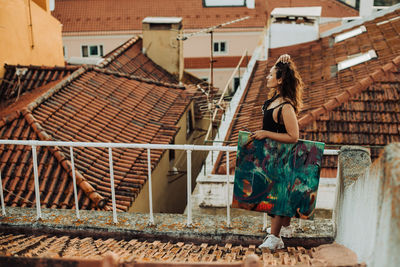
x,y
290,34
73,44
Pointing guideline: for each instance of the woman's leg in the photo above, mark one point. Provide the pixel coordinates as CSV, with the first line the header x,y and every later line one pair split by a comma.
x,y
277,222
286,221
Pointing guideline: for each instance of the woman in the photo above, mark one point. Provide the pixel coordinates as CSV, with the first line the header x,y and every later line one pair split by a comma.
x,y
280,124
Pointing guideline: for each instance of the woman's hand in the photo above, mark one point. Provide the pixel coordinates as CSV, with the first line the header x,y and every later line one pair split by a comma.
x,y
259,135
283,58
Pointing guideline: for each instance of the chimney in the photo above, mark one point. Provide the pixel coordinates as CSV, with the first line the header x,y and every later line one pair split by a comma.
x,y
366,8
161,44
294,25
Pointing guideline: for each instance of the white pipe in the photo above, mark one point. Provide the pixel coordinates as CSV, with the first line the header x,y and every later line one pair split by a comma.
x,y
228,211
114,209
35,172
151,219
189,187
71,152
3,208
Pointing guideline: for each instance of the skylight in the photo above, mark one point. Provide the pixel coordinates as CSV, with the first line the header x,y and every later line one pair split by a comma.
x,y
212,3
347,35
357,60
389,20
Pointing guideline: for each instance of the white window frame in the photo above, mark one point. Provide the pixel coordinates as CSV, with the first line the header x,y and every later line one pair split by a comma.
x,y
347,35
219,47
100,49
357,59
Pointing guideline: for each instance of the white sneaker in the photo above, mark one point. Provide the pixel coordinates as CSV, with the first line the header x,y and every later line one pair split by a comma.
x,y
285,231
272,242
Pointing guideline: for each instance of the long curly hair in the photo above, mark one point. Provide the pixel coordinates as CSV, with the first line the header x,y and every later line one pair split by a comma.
x,y
291,88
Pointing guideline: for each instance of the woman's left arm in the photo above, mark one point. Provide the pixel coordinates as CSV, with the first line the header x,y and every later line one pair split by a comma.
x,y
291,125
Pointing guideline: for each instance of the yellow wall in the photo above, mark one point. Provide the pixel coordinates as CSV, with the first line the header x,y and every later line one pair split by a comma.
x,y
170,192
17,45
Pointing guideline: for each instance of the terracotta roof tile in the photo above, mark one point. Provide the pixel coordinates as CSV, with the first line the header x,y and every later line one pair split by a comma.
x,y
129,59
100,15
93,105
34,77
358,105
29,248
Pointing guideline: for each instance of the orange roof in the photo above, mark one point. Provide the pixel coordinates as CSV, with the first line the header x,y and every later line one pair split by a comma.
x,y
52,250
129,59
106,15
357,106
91,106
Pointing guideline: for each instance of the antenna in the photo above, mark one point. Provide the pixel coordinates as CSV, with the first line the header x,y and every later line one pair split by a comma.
x,y
210,30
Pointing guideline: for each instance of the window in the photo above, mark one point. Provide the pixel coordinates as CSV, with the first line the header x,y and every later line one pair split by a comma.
x,y
64,51
347,35
236,83
356,59
92,50
220,47
172,152
221,3
189,122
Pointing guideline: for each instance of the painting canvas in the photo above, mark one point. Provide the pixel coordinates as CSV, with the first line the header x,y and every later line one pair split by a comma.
x,y
277,178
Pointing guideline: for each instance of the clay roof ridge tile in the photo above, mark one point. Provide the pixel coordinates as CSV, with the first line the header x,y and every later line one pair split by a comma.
x,y
396,61
9,118
57,88
41,67
98,200
138,78
119,51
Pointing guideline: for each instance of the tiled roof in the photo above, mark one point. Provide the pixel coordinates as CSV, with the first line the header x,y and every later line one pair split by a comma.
x,y
105,15
92,105
352,98
34,77
220,62
26,248
330,8
129,59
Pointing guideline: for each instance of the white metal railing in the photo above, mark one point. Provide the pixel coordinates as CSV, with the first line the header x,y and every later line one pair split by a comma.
x,y
187,148
110,146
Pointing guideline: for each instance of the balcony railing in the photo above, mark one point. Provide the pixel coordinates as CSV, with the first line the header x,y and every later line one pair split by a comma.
x,y
188,148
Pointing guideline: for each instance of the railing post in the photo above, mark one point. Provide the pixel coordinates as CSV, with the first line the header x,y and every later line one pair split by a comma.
x,y
228,211
110,160
71,152
3,208
264,222
36,178
151,219
189,187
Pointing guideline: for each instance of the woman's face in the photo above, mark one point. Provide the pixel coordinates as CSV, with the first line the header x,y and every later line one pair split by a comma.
x,y
272,81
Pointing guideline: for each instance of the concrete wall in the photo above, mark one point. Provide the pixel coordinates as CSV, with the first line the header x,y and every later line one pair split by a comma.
x,y
20,43
367,215
170,190
293,34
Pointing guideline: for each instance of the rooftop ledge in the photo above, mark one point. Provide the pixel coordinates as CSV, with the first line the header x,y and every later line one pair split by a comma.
x,y
245,230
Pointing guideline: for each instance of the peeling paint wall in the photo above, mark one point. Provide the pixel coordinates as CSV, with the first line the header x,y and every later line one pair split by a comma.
x,y
367,214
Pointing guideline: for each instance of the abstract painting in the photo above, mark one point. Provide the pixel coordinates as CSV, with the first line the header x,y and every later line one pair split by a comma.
x,y
277,178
